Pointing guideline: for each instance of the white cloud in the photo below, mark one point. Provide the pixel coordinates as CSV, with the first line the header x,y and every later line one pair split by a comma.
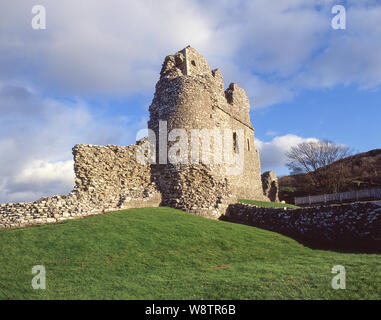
x,y
36,138
95,48
100,49
272,153
40,178
352,56
43,171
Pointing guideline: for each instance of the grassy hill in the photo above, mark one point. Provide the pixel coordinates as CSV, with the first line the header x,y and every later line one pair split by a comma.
x,y
360,171
162,253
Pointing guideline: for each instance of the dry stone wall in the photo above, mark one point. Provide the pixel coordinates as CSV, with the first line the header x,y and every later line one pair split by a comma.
x,y
107,178
347,225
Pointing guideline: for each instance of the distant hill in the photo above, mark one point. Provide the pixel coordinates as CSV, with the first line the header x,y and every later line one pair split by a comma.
x,y
360,171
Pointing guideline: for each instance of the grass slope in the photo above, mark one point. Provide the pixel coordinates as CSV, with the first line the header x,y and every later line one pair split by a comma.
x,y
267,204
162,253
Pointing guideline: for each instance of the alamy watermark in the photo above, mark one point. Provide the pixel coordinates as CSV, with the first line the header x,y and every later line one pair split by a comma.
x,y
339,21
338,281
39,18
39,280
207,146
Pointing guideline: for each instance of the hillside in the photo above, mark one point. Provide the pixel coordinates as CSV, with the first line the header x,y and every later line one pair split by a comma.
x,y
162,253
360,171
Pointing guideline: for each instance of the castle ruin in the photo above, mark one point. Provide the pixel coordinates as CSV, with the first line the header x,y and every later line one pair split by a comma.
x,y
191,97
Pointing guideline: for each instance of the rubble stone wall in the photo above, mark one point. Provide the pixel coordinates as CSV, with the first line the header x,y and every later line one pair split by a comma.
x,y
107,178
270,186
188,96
346,224
193,189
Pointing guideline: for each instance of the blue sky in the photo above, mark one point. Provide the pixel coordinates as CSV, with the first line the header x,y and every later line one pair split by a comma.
x,y
345,115
90,76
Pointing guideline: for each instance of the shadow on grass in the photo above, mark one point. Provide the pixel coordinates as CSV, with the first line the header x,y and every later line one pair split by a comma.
x,y
355,246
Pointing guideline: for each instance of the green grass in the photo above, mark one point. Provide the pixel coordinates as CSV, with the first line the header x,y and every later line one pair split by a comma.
x,y
265,204
287,189
162,253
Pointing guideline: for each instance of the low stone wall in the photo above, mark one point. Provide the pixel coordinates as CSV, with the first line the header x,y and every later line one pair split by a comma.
x,y
60,208
351,225
107,178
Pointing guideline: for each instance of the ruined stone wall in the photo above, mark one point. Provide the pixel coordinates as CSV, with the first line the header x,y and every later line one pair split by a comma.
x,y
346,225
107,178
270,186
193,189
189,95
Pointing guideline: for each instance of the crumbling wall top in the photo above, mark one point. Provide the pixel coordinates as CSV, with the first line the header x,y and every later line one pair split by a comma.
x,y
195,63
190,68
186,62
236,96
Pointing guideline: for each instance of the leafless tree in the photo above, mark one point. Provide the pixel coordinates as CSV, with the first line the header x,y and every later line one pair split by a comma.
x,y
311,157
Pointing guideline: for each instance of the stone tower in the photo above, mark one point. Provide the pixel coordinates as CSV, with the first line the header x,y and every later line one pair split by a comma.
x,y
194,121
190,96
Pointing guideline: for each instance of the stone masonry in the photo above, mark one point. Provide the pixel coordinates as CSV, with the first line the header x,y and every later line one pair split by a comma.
x,y
107,178
355,225
270,186
189,95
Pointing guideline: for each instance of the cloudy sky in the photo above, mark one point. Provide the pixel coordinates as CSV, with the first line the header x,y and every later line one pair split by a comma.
x,y
89,76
